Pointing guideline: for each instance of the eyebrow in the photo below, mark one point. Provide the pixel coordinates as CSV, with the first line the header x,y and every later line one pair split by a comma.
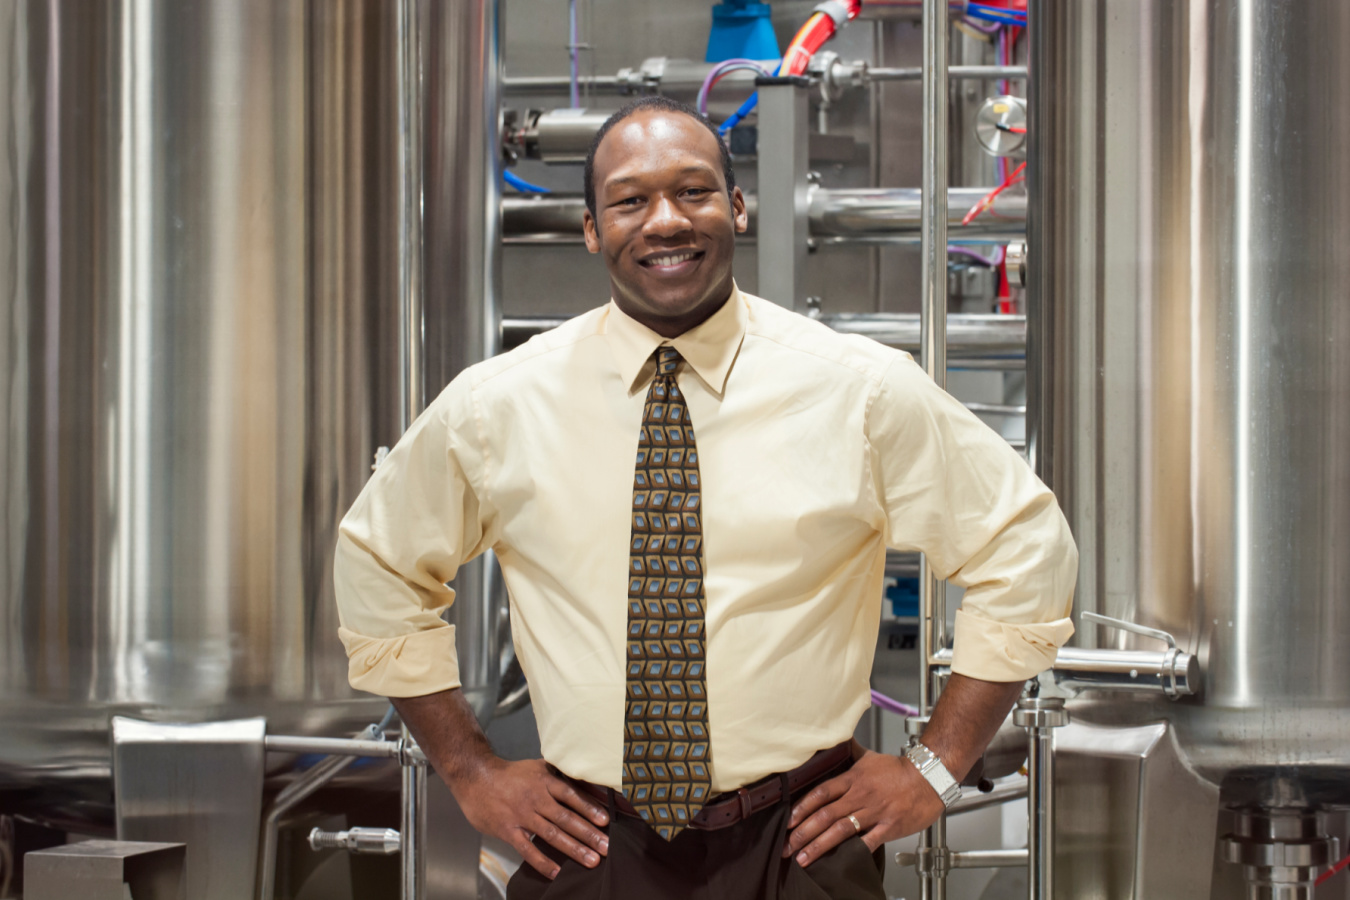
x,y
687,170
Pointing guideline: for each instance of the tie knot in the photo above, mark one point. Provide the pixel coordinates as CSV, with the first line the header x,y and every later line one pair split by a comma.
x,y
667,358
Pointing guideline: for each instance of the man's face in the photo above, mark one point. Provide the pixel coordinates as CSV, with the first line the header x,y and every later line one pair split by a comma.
x,y
664,222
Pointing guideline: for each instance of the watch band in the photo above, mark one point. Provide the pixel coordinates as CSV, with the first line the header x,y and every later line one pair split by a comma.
x,y
933,771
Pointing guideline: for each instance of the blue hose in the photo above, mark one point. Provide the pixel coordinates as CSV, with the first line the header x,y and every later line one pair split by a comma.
x,y
521,184
996,14
735,118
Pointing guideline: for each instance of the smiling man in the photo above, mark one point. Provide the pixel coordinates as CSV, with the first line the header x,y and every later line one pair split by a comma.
x,y
691,492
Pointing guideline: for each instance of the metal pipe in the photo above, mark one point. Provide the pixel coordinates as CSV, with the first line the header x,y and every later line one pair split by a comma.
x,y
377,749
933,351
413,830
377,841
408,163
988,859
978,73
904,9
1040,716
532,84
1170,672
898,213
1040,815
835,215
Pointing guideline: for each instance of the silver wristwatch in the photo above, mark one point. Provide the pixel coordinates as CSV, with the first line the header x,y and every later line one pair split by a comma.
x,y
933,771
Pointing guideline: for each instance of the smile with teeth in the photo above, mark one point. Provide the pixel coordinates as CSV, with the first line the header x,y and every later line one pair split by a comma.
x,y
673,259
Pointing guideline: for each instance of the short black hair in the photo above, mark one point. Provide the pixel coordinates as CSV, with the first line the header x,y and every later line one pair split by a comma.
x,y
664,104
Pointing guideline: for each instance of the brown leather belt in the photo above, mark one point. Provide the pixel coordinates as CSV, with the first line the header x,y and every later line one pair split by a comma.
x,y
733,806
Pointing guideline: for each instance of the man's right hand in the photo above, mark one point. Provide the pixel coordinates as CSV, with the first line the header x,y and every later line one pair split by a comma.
x,y
516,800
513,801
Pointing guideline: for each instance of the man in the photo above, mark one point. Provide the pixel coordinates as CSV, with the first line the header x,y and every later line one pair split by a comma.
x,y
692,476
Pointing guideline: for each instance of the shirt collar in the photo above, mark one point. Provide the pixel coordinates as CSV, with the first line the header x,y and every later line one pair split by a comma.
x,y
710,348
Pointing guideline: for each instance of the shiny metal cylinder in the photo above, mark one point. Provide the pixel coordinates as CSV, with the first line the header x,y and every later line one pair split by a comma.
x,y
413,832
1169,672
1041,815
204,339
898,214
461,275
560,135
1187,341
836,215
933,355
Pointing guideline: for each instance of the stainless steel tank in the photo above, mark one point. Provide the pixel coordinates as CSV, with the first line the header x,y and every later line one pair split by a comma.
x,y
216,284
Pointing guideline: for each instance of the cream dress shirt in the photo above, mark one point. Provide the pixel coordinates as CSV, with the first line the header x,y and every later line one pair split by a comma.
x,y
817,452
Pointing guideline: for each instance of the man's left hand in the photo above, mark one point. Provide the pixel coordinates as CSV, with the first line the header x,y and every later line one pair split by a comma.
x,y
887,796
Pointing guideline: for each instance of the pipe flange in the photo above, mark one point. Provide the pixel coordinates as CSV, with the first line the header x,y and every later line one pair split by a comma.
x,y
1255,852
1040,712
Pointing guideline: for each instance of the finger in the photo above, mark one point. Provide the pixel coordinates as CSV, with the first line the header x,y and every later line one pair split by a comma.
x,y
587,806
828,839
533,855
823,793
818,823
577,827
553,835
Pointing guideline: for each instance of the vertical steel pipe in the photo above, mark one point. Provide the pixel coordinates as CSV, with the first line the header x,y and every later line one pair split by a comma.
x,y
408,156
1040,716
1040,815
413,830
461,275
933,338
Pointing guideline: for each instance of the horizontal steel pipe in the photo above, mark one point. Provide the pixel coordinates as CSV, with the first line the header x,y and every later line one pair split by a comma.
x,y
1170,672
343,747
843,215
976,73
988,859
894,213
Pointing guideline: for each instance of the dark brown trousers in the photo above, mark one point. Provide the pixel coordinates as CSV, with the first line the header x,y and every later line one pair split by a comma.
x,y
742,862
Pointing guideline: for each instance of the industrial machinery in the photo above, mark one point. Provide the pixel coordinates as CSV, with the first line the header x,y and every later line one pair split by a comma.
x,y
243,241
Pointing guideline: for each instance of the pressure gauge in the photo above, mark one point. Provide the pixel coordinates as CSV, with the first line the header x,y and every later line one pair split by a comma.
x,y
1001,126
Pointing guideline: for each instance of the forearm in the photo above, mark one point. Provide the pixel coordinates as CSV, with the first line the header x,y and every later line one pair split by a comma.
x,y
448,732
965,719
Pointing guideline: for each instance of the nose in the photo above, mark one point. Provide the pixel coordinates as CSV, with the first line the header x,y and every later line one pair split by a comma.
x,y
665,219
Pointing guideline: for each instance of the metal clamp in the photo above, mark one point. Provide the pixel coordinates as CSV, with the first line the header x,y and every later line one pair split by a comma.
x,y
930,861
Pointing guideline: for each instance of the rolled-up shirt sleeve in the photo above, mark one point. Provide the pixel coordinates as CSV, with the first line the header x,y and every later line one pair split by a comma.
x,y
955,490
416,521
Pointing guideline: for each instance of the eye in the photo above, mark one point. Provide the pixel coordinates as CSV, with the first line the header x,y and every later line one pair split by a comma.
x,y
696,192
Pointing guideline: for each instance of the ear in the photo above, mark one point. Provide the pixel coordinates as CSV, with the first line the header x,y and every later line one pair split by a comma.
x,y
588,227
738,214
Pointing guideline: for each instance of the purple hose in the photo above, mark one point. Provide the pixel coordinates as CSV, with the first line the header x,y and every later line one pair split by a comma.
x,y
891,705
991,262
726,65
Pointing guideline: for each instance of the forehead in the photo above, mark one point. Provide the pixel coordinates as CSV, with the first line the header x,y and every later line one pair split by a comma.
x,y
654,143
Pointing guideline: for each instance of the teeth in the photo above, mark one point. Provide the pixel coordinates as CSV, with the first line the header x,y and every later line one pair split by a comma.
x,y
670,260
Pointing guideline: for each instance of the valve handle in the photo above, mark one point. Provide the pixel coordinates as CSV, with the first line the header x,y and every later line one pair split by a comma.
x,y
1132,627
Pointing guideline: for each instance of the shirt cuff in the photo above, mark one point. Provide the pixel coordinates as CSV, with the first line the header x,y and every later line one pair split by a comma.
x,y
410,665
1000,651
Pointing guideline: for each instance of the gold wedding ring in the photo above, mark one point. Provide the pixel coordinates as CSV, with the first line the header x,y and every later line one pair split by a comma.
x,y
857,826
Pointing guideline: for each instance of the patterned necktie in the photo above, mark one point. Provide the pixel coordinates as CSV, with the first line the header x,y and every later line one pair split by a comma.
x,y
666,759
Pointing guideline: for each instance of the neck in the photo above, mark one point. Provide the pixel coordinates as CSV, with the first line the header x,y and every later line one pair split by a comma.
x,y
674,326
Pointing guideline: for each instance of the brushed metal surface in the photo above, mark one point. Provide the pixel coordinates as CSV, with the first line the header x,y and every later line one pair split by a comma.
x,y
201,348
200,784
1188,220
